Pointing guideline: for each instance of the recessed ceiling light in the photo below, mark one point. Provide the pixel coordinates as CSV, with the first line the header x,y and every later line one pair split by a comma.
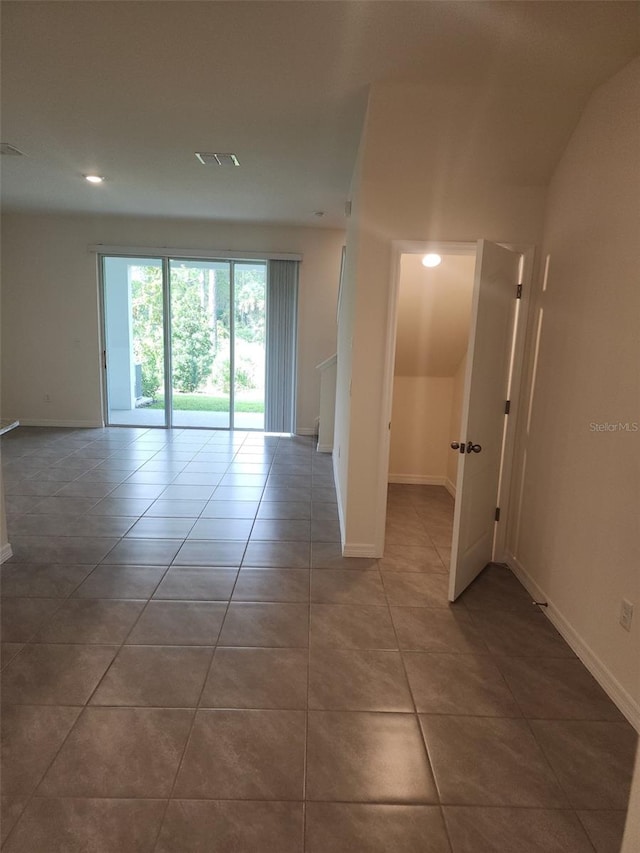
x,y
431,260
94,179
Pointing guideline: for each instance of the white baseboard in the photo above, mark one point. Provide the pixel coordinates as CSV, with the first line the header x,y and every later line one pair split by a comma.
x,y
5,553
609,683
306,431
325,448
43,422
359,549
418,479
450,487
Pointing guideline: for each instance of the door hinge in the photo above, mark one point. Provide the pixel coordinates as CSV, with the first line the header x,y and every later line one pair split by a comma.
x,y
507,406
104,358
519,291
497,515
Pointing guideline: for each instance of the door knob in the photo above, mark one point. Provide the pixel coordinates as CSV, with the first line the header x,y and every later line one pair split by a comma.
x,y
473,448
455,445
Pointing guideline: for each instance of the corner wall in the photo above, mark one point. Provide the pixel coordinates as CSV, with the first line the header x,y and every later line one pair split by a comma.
x,y
50,333
573,531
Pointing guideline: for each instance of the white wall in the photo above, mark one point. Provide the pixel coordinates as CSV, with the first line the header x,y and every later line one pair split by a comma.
x,y
420,429
576,497
50,304
402,195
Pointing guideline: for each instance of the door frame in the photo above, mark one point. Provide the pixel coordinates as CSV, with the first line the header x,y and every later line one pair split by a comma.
x,y
445,247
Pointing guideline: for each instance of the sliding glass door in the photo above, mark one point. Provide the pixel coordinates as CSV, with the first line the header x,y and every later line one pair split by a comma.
x,y
200,343
184,342
134,347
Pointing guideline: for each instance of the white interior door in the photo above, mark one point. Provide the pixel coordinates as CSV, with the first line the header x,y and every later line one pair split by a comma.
x,y
483,412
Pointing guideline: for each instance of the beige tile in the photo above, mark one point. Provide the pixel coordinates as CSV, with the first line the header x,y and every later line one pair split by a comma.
x,y
277,555
287,585
604,828
21,618
520,634
41,580
210,552
592,760
257,755
358,679
76,550
31,736
489,761
497,588
197,583
119,752
411,558
281,530
8,651
556,688
347,626
498,830
413,589
88,620
435,629
257,678
458,684
10,810
337,586
179,623
96,825
231,825
144,552
367,757
285,625
368,828
55,674
160,676
107,581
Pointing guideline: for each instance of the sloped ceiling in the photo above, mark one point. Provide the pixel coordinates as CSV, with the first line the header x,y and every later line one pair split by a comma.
x,y
434,306
132,89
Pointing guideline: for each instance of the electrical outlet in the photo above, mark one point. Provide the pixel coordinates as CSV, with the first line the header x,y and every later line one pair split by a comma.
x,y
626,614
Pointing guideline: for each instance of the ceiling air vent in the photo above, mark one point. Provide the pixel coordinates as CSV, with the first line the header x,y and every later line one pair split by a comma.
x,y
5,148
208,159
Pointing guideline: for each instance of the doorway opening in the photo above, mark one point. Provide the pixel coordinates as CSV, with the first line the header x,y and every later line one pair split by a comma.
x,y
433,316
184,342
454,355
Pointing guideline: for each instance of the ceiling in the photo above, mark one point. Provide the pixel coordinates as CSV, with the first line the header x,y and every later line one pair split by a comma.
x,y
131,90
434,310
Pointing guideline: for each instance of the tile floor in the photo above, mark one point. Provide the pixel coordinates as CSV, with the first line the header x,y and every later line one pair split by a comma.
x,y
190,665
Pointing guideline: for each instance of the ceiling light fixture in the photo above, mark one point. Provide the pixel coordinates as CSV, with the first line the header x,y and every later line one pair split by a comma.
x,y
431,260
94,179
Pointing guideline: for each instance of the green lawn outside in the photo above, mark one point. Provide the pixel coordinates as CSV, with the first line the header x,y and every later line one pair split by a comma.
x,y
202,403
